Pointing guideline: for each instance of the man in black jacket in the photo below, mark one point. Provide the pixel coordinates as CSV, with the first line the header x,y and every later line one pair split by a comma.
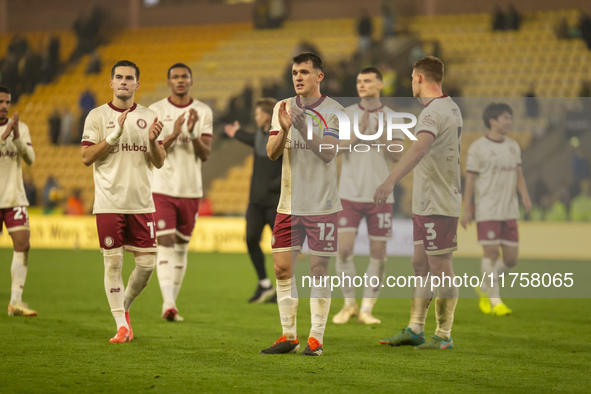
x,y
265,188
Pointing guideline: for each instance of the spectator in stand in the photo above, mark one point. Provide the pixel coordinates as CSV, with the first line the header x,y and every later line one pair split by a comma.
x,y
532,106
581,169
52,60
87,103
580,207
513,19
74,205
585,90
585,28
94,64
277,13
388,20
557,211
67,123
52,194
30,190
260,14
55,124
364,29
563,31
499,19
32,69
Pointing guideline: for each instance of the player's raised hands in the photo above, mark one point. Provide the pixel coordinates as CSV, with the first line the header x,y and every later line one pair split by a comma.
x,y
122,117
12,128
178,125
231,129
155,129
193,119
298,119
284,117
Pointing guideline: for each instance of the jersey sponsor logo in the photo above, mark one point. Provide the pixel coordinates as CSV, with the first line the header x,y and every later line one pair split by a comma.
x,y
490,234
300,145
343,221
273,240
117,290
133,148
162,262
141,123
328,204
512,150
161,224
109,242
184,140
85,137
8,154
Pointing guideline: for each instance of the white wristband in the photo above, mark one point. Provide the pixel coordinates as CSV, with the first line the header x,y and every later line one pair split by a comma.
x,y
113,138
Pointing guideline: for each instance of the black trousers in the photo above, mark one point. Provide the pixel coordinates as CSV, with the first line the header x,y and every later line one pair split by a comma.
x,y
257,216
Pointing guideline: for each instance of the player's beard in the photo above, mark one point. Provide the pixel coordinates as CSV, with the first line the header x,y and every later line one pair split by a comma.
x,y
124,96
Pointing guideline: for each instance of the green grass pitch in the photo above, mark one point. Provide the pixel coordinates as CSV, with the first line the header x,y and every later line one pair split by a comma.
x,y
544,346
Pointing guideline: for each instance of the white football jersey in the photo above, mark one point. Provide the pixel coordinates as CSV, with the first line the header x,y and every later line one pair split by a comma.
x,y
437,188
123,177
12,189
180,176
308,185
496,164
362,172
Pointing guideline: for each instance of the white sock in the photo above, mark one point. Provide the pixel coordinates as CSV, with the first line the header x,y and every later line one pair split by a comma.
x,y
445,306
180,268
287,301
139,278
166,259
375,268
346,271
319,309
495,294
419,305
18,272
266,283
486,267
121,322
114,288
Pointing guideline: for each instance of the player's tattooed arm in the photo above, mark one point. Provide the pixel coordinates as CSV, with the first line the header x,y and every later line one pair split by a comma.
x,y
157,151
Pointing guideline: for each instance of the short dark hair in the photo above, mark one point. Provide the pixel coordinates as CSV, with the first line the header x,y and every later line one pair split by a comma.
x,y
304,57
266,104
370,70
431,67
126,63
179,65
4,89
493,111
